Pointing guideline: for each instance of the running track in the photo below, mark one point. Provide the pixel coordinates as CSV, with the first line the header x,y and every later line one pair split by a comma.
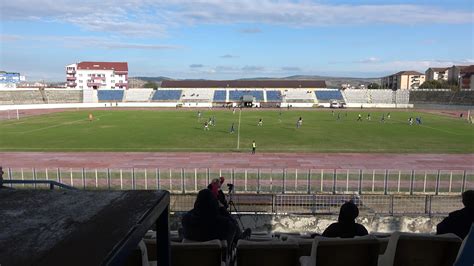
x,y
237,160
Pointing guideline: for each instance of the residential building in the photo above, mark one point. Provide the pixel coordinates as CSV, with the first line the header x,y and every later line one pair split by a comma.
x,y
437,73
455,74
467,78
97,75
403,80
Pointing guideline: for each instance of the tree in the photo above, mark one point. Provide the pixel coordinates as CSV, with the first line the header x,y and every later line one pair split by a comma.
x,y
431,84
373,86
151,85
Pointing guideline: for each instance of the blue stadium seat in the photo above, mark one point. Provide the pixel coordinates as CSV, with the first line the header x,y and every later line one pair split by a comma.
x,y
166,95
110,95
329,95
237,95
273,96
219,96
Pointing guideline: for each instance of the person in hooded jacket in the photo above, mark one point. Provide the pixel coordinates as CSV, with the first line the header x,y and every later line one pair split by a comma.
x,y
346,227
204,222
459,222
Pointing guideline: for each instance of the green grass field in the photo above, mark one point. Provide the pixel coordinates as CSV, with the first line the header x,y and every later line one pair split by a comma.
x,y
167,130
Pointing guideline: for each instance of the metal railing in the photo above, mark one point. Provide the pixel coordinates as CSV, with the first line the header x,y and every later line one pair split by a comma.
x,y
259,181
395,205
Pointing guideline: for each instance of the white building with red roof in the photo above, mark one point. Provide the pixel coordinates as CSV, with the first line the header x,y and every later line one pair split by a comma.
x,y
97,75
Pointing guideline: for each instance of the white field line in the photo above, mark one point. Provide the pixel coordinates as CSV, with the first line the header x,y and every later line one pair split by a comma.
x,y
238,131
60,124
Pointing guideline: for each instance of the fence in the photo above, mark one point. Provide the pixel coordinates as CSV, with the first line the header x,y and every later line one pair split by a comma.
x,y
260,181
330,204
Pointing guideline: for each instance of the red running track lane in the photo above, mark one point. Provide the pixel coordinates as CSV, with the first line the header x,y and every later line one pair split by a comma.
x,y
237,160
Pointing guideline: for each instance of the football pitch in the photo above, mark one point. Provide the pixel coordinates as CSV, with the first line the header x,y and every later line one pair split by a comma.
x,y
182,130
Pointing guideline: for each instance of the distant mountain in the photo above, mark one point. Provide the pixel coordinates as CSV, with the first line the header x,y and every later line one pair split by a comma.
x,y
334,82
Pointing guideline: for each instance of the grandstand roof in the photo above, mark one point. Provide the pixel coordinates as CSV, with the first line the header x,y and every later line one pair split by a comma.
x,y
117,66
243,84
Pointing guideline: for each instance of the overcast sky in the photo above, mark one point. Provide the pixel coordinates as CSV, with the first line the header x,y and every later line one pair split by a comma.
x,y
235,38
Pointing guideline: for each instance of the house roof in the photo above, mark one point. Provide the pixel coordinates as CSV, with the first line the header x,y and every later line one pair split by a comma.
x,y
409,72
468,70
117,66
439,69
243,84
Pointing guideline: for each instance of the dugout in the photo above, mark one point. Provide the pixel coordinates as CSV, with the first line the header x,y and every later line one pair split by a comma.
x,y
247,100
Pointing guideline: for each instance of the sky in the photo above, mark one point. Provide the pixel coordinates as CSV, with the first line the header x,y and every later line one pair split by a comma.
x,y
231,39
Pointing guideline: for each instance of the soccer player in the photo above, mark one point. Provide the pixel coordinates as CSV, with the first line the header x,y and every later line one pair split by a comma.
x,y
213,120
199,115
339,116
210,121
260,122
232,130
91,117
206,126
382,120
410,121
388,116
359,118
368,116
233,111
254,146
299,123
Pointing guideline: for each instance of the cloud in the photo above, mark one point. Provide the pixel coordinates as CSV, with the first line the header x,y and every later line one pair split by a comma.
x,y
252,68
146,18
228,56
369,60
291,69
250,30
81,42
196,66
9,38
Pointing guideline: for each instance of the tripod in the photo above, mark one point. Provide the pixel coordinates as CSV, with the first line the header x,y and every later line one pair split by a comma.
x,y
232,205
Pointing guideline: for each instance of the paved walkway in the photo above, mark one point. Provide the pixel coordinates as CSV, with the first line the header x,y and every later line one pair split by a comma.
x,y
237,160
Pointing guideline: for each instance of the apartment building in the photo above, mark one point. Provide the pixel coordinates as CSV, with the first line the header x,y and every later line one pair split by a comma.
x,y
455,74
437,73
403,80
97,75
467,78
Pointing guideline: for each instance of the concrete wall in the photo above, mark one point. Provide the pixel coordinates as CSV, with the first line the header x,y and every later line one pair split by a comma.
x,y
317,224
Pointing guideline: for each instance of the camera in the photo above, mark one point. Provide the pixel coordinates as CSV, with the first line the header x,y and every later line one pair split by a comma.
x,y
230,186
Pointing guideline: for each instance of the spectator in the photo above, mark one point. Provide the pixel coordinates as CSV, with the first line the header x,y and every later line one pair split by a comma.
x,y
346,227
459,222
204,223
1,177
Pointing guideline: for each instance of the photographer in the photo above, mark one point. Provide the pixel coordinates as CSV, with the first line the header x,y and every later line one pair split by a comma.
x,y
224,207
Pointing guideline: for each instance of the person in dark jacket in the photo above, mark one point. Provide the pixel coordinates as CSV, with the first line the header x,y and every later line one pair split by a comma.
x,y
459,222
204,222
346,227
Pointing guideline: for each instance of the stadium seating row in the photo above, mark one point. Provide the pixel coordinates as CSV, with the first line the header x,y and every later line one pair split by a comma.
x,y
399,249
37,96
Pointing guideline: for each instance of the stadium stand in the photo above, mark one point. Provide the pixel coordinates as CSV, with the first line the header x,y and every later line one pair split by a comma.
x,y
219,96
63,96
402,96
236,95
197,95
276,253
21,97
293,96
355,251
410,249
273,96
138,95
465,97
381,96
166,95
328,95
110,95
356,96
